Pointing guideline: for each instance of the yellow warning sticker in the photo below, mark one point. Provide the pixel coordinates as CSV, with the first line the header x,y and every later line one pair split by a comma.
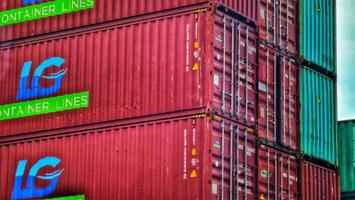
x,y
194,152
196,67
193,174
197,45
262,197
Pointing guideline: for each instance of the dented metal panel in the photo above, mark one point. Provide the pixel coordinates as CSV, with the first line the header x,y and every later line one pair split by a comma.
x,y
178,158
277,175
319,182
269,80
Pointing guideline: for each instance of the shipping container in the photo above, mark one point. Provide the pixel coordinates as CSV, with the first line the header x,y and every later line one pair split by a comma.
x,y
278,24
185,61
319,183
108,10
348,195
192,157
317,33
346,134
277,97
277,175
318,116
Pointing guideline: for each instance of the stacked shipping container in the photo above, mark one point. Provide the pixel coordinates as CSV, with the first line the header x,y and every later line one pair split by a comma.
x,y
346,132
190,99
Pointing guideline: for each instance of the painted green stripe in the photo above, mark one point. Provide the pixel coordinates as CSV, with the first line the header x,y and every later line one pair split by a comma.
x,y
44,106
78,197
43,10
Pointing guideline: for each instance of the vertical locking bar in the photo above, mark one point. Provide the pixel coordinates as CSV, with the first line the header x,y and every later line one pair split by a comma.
x,y
288,178
267,93
224,64
237,152
283,121
280,24
275,97
239,70
287,21
289,102
232,71
246,74
281,177
222,164
231,163
275,26
276,177
268,174
267,20
245,164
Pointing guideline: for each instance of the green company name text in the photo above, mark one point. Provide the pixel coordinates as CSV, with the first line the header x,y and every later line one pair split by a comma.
x,y
44,106
79,197
43,10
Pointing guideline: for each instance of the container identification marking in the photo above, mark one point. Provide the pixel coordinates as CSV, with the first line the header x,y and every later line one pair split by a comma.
x,y
43,10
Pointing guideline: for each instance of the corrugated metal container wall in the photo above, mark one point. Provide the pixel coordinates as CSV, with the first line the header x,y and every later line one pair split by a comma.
x,y
319,183
277,175
317,32
180,158
107,10
318,116
278,23
132,70
269,61
346,134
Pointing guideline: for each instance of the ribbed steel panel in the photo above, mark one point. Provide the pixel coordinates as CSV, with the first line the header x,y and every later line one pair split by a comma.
x,y
318,116
317,32
346,134
319,183
277,175
268,79
278,24
108,10
154,66
180,158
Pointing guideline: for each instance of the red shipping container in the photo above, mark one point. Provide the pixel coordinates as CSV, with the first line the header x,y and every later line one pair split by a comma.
x,y
278,24
270,61
109,10
319,183
192,157
277,175
185,61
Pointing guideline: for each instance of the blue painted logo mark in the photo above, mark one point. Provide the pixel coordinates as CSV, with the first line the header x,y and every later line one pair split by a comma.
x,y
26,2
30,191
36,90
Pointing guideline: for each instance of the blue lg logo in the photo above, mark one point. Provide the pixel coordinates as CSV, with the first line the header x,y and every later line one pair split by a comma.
x,y
37,90
30,191
25,2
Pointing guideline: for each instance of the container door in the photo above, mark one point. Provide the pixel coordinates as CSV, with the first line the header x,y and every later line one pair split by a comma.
x,y
233,161
268,21
267,93
287,25
289,102
235,61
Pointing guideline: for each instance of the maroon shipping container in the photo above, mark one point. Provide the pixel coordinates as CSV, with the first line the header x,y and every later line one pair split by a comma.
x,y
277,70
185,61
193,157
319,182
277,175
278,24
109,10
